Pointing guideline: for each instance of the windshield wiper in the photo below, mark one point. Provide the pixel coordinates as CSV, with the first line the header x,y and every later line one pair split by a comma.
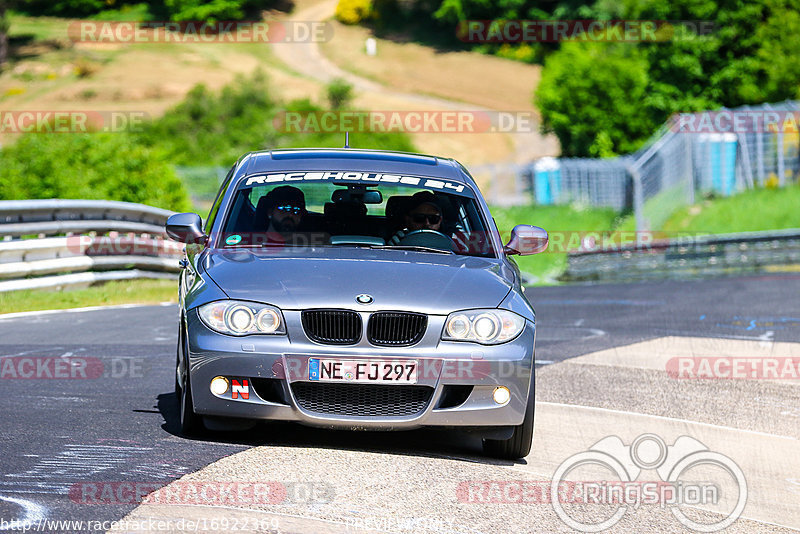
x,y
415,248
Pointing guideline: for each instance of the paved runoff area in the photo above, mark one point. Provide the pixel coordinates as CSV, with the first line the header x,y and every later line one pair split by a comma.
x,y
661,407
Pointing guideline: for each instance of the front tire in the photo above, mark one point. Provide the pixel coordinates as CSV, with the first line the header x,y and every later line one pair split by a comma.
x,y
190,422
520,442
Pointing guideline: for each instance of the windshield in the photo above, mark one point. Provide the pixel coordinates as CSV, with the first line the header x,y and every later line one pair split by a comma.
x,y
409,213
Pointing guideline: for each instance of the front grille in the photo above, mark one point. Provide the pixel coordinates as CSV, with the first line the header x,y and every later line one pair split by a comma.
x,y
362,400
332,327
396,329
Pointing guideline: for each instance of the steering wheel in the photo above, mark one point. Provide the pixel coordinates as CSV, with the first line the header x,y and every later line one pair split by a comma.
x,y
428,238
426,231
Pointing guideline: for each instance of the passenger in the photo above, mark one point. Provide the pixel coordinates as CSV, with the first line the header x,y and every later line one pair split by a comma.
x,y
285,206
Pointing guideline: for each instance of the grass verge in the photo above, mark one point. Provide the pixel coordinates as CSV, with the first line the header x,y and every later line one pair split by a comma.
x,y
561,222
108,294
750,211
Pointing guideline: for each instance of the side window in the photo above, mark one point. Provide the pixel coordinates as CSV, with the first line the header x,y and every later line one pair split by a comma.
x,y
217,201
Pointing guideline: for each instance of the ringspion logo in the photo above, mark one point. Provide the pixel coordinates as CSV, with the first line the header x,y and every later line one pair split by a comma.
x,y
690,474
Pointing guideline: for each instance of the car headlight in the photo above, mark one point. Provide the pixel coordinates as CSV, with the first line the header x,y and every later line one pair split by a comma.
x,y
488,327
237,318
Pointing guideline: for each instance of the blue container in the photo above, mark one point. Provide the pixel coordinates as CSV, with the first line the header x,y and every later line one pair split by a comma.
x,y
547,181
730,144
722,162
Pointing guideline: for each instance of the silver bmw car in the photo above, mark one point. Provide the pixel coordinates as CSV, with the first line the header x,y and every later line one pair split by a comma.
x,y
355,289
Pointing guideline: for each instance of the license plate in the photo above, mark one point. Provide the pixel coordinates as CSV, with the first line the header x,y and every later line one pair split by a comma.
x,y
364,371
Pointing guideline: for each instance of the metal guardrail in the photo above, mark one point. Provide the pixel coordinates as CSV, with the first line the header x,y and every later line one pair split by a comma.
x,y
689,257
99,240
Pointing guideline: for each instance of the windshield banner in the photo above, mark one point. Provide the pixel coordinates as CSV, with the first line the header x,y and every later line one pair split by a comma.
x,y
367,178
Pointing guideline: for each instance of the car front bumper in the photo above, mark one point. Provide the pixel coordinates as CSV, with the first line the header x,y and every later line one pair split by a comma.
x,y
273,366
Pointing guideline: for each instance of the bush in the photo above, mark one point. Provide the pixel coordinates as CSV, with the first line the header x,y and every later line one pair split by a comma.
x,y
212,11
62,8
353,11
339,93
216,129
177,10
91,166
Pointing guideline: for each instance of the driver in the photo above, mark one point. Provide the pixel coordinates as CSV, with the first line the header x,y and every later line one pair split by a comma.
x,y
424,213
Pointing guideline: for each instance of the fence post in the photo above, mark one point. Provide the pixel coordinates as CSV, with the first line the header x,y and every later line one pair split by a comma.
x,y
494,193
638,200
746,166
516,171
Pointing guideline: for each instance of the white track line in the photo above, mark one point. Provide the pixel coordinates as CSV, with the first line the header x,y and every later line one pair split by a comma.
x,y
80,310
663,418
33,513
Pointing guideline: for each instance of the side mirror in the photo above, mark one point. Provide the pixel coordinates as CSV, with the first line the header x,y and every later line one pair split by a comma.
x,y
526,239
186,228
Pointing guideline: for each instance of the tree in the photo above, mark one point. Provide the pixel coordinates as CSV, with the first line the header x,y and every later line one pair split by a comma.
x,y
591,96
4,27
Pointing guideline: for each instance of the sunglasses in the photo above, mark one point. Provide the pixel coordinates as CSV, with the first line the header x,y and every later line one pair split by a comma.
x,y
290,209
420,218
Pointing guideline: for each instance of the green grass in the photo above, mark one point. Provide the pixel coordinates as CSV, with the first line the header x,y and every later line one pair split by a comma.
x,y
750,211
38,28
563,223
110,293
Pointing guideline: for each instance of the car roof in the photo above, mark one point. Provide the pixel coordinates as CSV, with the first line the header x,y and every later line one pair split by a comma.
x,y
351,159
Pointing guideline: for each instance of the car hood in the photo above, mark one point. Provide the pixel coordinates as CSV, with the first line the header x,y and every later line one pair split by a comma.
x,y
333,277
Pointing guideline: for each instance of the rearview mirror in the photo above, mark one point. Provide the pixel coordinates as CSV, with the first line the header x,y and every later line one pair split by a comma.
x,y
186,228
525,240
372,197
357,195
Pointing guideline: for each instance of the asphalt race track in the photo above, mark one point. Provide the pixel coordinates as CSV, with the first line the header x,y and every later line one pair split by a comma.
x,y
602,354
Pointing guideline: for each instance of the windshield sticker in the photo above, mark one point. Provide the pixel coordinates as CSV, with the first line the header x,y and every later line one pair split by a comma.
x,y
345,176
235,239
